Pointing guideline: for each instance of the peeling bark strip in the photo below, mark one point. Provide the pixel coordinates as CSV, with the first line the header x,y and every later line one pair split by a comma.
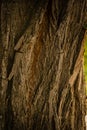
x,y
41,82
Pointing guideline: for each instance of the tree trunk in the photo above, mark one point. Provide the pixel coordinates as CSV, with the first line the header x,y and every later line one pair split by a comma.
x,y
41,65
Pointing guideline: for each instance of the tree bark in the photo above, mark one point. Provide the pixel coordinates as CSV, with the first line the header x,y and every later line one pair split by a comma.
x,y
41,65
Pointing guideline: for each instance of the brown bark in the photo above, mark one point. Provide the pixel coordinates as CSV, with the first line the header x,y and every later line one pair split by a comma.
x,y
42,65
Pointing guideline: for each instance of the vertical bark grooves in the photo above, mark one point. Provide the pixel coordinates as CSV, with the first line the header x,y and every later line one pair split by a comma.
x,y
42,65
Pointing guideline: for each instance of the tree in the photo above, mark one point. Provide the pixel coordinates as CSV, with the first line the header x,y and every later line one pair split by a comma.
x,y
42,65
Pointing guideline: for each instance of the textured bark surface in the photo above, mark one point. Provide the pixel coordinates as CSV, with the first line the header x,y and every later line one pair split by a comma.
x,y
41,65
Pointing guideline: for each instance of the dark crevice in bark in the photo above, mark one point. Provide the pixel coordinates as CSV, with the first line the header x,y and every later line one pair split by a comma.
x,y
8,110
8,99
44,125
34,10
62,11
53,124
26,24
40,126
10,63
36,120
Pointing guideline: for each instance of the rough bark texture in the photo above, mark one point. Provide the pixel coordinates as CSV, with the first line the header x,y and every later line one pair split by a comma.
x,y
41,65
